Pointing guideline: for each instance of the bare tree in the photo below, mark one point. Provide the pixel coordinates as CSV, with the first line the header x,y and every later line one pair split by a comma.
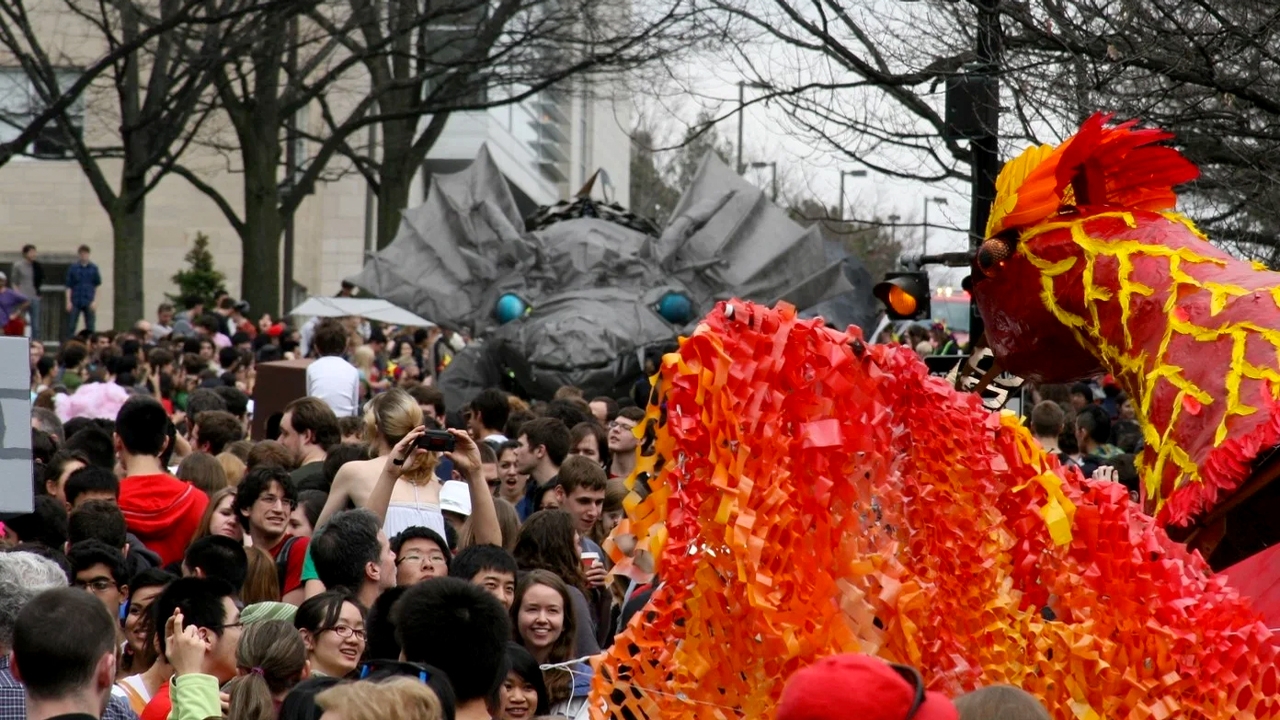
x,y
152,87
412,65
864,81
1207,70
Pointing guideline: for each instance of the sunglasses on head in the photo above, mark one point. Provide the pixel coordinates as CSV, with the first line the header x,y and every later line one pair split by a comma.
x,y
916,681
382,669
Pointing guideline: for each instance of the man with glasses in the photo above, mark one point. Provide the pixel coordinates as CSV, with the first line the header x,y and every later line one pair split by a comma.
x,y
99,568
264,500
622,441
420,554
206,608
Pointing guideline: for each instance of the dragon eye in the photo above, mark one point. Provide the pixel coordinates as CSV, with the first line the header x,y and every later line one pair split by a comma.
x,y
992,255
510,307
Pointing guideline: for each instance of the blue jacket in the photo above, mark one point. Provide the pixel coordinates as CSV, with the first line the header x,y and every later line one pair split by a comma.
x,y
83,282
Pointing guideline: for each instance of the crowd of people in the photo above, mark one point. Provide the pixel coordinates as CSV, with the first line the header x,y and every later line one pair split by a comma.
x,y
1092,425
278,578
353,563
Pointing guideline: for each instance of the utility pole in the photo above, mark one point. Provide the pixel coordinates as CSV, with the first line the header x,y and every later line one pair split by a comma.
x,y
742,109
986,147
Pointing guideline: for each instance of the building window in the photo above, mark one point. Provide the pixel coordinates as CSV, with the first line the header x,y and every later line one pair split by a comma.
x,y
20,103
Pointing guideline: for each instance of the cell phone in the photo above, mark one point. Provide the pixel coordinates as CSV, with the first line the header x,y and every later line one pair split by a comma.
x,y
435,441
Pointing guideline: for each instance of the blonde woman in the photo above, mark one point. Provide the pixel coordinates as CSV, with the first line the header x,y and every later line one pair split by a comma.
x,y
395,699
370,382
399,484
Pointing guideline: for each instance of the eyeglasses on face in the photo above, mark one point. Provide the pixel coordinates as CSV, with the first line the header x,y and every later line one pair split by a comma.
x,y
272,500
345,632
96,585
420,560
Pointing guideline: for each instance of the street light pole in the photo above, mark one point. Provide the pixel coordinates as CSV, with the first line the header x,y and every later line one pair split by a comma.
x,y
893,227
742,109
924,243
850,173
773,166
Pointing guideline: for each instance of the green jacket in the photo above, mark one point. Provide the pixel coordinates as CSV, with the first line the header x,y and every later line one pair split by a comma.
x,y
195,697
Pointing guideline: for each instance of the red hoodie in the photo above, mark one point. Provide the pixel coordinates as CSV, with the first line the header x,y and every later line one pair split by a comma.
x,y
163,511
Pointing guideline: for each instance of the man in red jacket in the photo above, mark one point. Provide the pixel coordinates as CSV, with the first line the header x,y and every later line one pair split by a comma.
x,y
163,511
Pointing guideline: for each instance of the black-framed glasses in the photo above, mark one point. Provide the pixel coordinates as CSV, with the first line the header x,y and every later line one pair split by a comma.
x,y
913,678
383,669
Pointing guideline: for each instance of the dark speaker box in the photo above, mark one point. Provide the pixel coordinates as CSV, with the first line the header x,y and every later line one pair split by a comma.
x,y
973,107
277,384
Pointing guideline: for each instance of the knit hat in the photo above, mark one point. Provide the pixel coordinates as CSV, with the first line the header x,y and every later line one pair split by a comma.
x,y
263,611
860,687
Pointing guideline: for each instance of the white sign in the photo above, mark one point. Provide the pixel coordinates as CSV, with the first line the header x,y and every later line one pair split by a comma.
x,y
15,426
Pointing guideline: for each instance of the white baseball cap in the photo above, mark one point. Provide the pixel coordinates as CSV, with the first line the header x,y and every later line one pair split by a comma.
x,y
455,496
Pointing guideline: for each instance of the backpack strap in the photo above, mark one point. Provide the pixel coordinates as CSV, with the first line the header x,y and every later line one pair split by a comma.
x,y
282,562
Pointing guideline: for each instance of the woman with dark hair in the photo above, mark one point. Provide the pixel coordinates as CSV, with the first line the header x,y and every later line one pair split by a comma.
x,y
523,695
302,521
590,439
145,671
332,628
548,542
544,623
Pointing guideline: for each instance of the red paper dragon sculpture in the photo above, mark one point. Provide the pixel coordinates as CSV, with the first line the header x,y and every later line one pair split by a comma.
x,y
812,495
1086,269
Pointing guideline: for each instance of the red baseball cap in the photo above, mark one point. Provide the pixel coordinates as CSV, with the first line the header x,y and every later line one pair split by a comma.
x,y
861,687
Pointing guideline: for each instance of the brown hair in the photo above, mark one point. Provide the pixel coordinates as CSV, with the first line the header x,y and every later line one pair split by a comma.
x,y
330,337
579,471
400,698
262,582
1000,702
214,501
559,680
615,491
219,429
204,472
546,542
272,657
568,392
314,414
1047,419
269,452
240,449
508,523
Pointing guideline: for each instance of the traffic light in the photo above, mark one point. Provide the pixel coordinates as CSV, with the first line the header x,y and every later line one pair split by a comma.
x,y
905,295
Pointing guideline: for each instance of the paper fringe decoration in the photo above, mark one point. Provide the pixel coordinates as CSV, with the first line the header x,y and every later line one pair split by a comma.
x,y
813,495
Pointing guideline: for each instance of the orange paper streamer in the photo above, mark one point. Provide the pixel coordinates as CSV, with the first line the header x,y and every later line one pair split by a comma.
x,y
812,495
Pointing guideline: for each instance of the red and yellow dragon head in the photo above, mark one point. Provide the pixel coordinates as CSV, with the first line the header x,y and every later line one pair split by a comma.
x,y
1085,269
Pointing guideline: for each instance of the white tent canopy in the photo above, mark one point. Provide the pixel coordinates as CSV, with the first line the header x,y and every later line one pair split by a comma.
x,y
368,308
